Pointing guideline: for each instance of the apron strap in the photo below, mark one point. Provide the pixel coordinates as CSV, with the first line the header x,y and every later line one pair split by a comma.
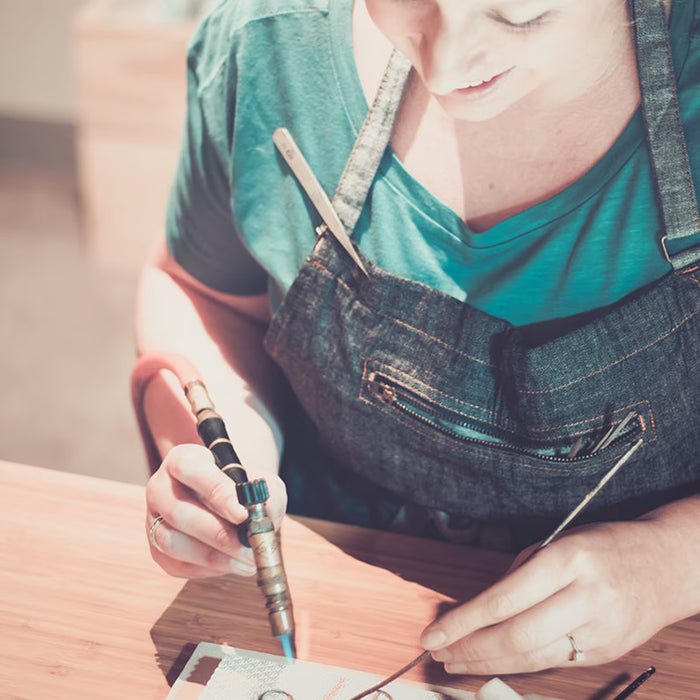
x,y
369,148
667,148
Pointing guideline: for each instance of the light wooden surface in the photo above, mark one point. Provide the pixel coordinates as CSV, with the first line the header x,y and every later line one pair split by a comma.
x,y
85,613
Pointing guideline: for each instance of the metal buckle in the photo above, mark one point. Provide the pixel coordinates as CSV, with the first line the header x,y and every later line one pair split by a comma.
x,y
665,249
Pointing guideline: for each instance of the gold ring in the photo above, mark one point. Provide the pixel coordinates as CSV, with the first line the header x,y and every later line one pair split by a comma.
x,y
152,532
576,654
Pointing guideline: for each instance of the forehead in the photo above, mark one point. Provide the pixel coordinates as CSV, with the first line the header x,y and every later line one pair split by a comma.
x,y
529,6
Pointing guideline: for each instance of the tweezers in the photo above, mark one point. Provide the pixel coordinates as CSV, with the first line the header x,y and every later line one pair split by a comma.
x,y
300,167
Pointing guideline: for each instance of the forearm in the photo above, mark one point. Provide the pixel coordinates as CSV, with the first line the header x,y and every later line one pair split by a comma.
x,y
222,337
675,530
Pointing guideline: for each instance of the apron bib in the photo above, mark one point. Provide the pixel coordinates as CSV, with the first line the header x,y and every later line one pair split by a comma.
x,y
432,417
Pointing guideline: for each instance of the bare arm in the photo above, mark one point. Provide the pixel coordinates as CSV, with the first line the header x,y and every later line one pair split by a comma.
x,y
222,336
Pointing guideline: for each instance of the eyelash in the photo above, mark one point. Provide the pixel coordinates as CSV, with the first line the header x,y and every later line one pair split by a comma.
x,y
521,26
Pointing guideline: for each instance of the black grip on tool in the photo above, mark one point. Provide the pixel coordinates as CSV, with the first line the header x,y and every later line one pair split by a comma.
x,y
213,432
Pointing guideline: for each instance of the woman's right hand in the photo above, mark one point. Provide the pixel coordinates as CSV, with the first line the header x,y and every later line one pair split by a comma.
x,y
197,536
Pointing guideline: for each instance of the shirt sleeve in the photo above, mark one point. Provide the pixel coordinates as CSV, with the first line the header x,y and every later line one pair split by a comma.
x,y
200,229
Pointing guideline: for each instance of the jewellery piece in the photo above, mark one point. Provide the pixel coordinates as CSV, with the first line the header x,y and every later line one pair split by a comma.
x,y
377,689
576,654
152,532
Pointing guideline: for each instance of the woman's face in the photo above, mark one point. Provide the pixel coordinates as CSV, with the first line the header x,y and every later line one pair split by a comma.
x,y
480,57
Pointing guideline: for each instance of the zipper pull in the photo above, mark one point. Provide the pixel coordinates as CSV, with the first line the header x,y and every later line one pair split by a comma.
x,y
381,389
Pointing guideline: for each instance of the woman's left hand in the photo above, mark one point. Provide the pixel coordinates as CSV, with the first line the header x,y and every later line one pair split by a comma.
x,y
603,589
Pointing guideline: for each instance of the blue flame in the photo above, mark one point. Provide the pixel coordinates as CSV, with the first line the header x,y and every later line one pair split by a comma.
x,y
287,646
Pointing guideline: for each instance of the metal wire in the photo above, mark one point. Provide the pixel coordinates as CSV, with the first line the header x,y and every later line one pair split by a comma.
x,y
392,677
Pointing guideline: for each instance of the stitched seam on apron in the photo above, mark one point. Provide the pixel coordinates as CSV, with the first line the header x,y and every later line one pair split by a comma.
x,y
323,268
566,467
300,282
681,323
692,277
488,364
584,423
487,411
688,174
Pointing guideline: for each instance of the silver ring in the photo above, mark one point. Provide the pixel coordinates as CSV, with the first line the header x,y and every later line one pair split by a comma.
x,y
576,654
152,532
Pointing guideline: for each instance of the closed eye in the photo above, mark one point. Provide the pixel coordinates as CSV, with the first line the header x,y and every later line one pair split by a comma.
x,y
527,24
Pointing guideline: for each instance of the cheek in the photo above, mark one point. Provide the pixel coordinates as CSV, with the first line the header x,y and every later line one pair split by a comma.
x,y
552,54
400,25
380,12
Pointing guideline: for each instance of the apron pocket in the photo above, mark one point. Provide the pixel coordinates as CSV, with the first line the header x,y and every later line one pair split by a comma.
x,y
466,423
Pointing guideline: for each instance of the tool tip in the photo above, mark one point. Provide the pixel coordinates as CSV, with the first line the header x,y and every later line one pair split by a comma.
x,y
287,642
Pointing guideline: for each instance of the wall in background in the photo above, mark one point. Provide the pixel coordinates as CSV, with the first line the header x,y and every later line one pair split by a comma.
x,y
37,80
37,76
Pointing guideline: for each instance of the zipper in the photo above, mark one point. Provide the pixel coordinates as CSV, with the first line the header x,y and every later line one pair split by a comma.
x,y
436,417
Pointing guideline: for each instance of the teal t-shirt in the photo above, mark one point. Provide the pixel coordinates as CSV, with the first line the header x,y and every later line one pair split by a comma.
x,y
240,223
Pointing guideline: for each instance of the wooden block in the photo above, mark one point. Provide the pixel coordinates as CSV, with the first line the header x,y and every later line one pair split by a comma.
x,y
125,189
131,76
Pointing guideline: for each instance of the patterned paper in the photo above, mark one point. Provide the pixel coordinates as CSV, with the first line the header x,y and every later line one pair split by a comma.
x,y
247,675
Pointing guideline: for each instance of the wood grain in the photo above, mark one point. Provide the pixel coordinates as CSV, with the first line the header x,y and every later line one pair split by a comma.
x,y
85,612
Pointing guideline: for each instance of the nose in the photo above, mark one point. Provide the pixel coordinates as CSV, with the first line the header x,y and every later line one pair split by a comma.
x,y
451,51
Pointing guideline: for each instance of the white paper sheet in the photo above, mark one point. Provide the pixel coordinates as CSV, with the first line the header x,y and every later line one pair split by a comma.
x,y
240,674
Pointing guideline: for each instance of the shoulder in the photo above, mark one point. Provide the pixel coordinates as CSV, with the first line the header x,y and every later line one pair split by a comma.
x,y
686,52
237,14
222,32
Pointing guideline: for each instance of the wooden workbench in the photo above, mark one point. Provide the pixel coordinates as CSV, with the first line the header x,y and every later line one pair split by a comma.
x,y
84,612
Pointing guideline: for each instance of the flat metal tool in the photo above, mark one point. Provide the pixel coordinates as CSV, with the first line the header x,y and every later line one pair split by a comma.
x,y
302,170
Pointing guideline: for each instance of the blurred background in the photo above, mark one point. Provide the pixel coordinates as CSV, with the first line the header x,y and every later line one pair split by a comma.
x,y
92,103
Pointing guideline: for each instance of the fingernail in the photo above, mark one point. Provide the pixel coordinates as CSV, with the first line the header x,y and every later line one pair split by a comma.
x,y
240,568
433,639
456,668
442,655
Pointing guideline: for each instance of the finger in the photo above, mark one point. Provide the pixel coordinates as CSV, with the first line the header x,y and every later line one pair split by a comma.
x,y
194,467
555,655
181,569
184,513
522,557
538,579
535,628
277,503
177,545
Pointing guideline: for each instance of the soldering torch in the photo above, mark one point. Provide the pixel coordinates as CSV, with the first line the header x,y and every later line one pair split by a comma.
x,y
258,531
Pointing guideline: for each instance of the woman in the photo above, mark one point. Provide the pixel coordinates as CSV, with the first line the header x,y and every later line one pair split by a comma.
x,y
531,244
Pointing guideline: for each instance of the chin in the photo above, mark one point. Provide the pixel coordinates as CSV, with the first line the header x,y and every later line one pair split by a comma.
x,y
473,111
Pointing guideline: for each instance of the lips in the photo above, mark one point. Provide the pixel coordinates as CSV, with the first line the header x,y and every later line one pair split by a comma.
x,y
479,89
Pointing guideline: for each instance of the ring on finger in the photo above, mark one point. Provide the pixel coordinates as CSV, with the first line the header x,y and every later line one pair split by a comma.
x,y
152,532
576,654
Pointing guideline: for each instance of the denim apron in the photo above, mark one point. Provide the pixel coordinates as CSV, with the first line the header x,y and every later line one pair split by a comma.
x,y
431,417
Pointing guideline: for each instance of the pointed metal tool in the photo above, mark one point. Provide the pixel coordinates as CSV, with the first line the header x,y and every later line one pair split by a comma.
x,y
301,169
567,520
